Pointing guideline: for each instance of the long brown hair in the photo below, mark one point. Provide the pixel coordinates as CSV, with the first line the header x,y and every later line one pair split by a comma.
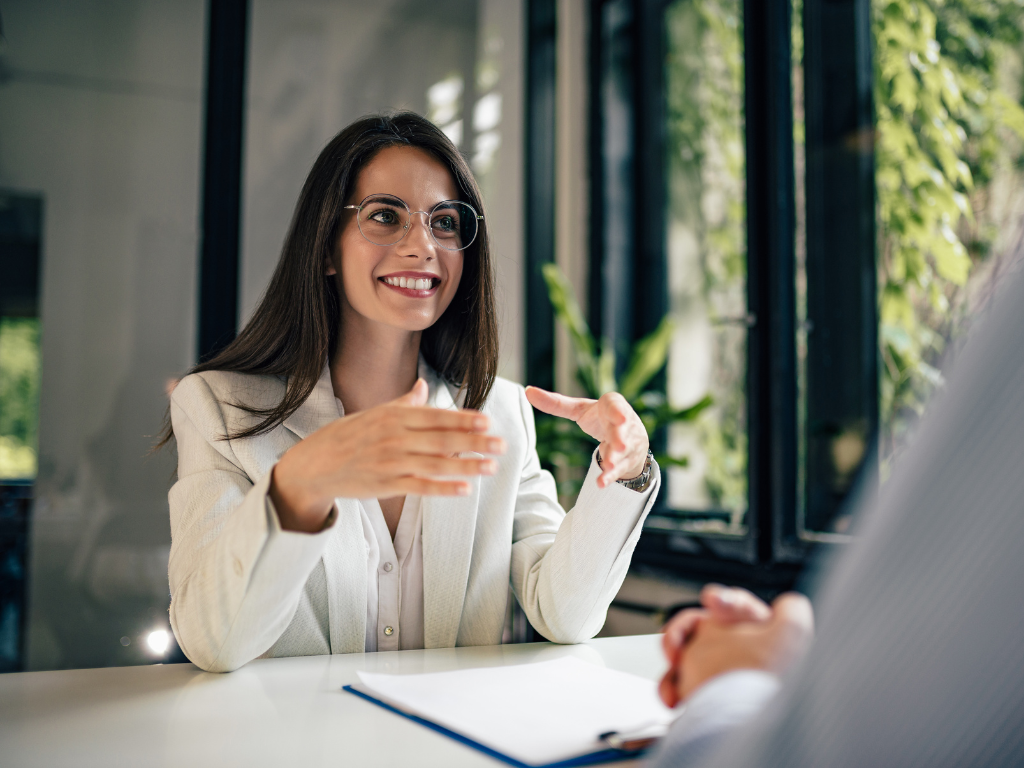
x,y
294,330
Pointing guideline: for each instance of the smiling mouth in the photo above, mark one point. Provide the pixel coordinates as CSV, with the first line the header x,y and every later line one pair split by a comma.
x,y
419,287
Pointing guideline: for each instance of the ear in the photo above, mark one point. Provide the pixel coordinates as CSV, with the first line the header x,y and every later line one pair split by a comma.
x,y
329,268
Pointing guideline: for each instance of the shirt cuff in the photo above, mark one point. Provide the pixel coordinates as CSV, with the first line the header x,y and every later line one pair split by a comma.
x,y
719,706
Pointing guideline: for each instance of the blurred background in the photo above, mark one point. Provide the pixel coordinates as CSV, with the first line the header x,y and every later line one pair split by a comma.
x,y
778,222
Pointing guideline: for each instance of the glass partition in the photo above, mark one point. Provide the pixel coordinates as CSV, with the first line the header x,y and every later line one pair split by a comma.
x,y
100,114
314,67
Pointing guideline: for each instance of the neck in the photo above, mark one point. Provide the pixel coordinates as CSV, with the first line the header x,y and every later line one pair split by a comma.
x,y
373,364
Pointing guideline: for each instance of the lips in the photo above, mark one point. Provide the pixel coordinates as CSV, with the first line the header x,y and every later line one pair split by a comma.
x,y
413,284
418,283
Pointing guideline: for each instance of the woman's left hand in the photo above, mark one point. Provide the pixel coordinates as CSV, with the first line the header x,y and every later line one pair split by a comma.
x,y
609,420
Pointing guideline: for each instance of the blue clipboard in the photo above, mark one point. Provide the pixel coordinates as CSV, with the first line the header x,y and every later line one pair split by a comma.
x,y
592,758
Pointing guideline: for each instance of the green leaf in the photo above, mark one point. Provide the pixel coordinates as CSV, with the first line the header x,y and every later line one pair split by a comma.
x,y
665,460
655,418
649,357
589,370
605,379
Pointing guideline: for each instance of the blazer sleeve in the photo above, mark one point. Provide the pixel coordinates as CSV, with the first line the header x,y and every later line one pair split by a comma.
x,y
236,576
567,568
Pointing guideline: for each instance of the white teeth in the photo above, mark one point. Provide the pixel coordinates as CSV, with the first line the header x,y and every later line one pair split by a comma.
x,y
424,284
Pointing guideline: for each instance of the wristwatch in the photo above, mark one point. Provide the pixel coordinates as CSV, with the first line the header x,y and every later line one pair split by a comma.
x,y
641,481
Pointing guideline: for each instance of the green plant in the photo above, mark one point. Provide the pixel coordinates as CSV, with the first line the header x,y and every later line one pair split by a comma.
x,y
947,127
562,444
19,396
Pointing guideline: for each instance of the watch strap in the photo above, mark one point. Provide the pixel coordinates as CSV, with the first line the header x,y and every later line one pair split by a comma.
x,y
641,481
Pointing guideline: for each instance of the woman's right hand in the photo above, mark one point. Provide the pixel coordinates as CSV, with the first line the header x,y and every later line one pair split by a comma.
x,y
395,449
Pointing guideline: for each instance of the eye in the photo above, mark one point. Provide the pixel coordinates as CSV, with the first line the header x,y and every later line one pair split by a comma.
x,y
446,223
385,216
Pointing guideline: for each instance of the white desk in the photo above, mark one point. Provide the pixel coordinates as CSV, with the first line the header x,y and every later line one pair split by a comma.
x,y
272,712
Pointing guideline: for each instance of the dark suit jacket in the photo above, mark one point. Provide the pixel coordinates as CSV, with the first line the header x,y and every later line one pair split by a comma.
x,y
919,659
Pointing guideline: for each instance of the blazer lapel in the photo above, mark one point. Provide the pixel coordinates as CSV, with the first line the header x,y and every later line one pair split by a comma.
x,y
319,410
344,557
449,526
344,561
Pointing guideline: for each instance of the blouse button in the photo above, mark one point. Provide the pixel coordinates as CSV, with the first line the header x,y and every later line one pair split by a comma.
x,y
388,567
389,631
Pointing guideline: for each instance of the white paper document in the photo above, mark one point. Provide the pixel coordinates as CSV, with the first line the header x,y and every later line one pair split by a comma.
x,y
537,714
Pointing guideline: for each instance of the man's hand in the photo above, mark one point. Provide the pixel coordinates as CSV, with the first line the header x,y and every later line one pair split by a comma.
x,y
734,630
611,421
723,604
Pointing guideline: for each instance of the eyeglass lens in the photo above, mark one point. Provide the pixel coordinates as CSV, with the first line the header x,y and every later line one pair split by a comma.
x,y
384,220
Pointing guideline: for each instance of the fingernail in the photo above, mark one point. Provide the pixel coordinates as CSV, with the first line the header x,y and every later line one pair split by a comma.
x,y
489,467
481,422
464,490
496,445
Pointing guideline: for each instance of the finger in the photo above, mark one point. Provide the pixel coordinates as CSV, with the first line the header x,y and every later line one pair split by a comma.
x,y
614,409
616,448
445,444
794,610
732,604
612,465
415,396
422,486
793,628
558,405
435,466
608,475
439,418
678,629
668,688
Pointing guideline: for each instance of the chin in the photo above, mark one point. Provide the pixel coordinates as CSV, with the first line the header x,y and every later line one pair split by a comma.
x,y
411,324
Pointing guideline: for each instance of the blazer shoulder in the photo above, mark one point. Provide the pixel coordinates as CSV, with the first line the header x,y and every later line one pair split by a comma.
x,y
201,395
508,405
506,395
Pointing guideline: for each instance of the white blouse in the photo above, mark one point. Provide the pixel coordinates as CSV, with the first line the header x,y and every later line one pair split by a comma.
x,y
394,575
394,578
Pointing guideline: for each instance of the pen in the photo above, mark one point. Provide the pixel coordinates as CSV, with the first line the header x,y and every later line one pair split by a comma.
x,y
636,740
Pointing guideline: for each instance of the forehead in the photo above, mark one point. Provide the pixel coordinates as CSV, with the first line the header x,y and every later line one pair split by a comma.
x,y
408,172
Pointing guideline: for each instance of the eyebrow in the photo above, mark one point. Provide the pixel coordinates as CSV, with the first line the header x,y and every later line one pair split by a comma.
x,y
396,197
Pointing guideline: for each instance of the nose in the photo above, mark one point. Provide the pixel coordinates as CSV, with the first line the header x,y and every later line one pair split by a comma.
x,y
418,238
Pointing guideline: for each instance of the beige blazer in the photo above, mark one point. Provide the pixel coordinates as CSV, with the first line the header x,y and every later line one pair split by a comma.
x,y
241,587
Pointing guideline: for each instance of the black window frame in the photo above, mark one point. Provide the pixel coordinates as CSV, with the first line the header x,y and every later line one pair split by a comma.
x,y
627,46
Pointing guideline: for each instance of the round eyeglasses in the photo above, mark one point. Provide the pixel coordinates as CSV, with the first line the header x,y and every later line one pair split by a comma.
x,y
386,219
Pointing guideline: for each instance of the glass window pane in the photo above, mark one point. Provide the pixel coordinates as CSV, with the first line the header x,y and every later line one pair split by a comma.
x,y
949,173
706,240
949,180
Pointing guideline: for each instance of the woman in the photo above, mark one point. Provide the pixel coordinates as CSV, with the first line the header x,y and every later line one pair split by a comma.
x,y
351,474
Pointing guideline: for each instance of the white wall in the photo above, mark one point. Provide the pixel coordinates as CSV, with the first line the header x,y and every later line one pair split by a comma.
x,y
100,113
317,65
